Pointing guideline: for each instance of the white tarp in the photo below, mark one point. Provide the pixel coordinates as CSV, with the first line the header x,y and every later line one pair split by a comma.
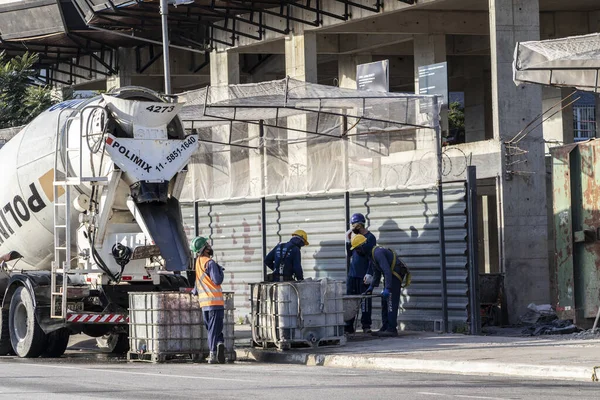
x,y
567,62
289,137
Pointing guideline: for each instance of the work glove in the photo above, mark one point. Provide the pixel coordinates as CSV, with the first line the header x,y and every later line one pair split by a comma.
x,y
348,235
368,291
368,279
385,293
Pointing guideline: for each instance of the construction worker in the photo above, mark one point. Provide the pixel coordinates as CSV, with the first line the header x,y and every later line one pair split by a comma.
x,y
359,266
209,276
285,260
385,262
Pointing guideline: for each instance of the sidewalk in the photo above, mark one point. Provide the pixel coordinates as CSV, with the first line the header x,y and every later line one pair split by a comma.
x,y
549,357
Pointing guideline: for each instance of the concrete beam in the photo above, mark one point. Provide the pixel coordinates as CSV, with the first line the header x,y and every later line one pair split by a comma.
x,y
366,43
420,22
333,7
562,24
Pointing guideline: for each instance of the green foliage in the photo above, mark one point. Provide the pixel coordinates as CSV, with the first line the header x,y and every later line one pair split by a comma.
x,y
20,101
456,116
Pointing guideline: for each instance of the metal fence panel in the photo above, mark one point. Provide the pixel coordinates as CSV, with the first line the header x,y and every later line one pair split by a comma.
x,y
407,222
323,219
235,230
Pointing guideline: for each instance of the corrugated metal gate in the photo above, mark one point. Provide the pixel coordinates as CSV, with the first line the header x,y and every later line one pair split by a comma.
x,y
405,221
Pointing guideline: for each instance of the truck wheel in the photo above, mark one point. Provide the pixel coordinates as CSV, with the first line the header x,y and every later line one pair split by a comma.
x,y
114,343
57,343
27,338
5,345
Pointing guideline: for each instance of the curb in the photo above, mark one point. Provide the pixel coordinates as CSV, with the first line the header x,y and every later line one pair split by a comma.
x,y
417,365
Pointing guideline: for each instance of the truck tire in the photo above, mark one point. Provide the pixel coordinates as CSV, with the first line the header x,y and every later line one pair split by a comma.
x,y
57,343
5,345
113,343
27,338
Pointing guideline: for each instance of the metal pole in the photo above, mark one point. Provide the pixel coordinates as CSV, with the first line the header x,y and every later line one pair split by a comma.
x,y
346,184
164,15
440,201
347,212
263,201
196,220
472,214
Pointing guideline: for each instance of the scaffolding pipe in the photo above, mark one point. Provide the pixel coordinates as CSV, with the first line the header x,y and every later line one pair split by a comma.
x,y
164,14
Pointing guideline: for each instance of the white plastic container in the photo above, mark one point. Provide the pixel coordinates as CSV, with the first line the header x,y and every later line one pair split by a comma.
x,y
297,314
165,324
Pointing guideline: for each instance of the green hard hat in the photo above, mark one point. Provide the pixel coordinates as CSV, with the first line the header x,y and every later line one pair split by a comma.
x,y
198,243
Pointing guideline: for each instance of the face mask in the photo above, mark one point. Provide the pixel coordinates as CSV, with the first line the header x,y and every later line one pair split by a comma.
x,y
356,230
210,252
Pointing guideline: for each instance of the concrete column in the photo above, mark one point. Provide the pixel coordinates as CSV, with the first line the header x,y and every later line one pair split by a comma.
x,y
428,49
558,129
126,64
224,68
301,56
229,166
347,69
347,79
524,230
300,64
62,93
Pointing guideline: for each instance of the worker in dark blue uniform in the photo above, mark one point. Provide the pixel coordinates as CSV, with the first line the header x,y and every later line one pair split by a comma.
x,y
285,260
358,280
396,276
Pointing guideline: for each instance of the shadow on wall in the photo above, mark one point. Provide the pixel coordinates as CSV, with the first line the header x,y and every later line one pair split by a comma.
x,y
393,237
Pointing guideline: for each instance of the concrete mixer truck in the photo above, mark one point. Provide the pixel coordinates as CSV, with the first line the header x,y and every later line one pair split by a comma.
x,y
89,213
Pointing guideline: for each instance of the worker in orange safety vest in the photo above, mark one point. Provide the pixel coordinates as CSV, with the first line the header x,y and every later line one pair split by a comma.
x,y
209,276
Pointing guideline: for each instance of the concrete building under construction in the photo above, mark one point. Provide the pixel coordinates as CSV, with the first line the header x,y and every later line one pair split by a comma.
x,y
102,44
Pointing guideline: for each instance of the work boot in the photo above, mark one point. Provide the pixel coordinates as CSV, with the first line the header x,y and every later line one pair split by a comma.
x,y
376,333
212,358
388,334
221,352
367,330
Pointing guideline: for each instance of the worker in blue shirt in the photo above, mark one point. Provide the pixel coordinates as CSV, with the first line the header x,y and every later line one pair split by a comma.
x,y
396,276
358,279
285,260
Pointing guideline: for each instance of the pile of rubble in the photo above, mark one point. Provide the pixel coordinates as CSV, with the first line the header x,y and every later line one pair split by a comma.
x,y
542,320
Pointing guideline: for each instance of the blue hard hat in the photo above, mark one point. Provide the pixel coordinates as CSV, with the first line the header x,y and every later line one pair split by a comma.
x,y
358,218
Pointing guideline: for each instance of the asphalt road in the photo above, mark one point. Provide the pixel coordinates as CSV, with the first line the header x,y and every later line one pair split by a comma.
x,y
88,376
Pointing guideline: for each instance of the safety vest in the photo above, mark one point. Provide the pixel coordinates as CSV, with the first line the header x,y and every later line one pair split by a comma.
x,y
407,278
209,294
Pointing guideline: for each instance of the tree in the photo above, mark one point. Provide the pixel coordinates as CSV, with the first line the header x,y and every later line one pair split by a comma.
x,y
20,100
456,123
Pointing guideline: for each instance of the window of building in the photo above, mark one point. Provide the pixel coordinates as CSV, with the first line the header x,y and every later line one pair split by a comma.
x,y
584,117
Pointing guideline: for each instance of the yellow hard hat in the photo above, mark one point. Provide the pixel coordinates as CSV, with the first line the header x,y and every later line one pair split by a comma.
x,y
357,241
301,234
